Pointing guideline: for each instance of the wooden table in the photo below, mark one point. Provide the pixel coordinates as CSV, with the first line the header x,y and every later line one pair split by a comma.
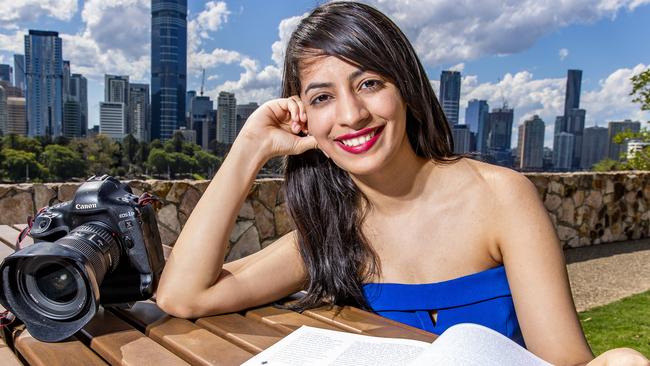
x,y
145,335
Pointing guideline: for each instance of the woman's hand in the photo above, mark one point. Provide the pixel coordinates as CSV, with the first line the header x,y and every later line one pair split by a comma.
x,y
620,357
274,128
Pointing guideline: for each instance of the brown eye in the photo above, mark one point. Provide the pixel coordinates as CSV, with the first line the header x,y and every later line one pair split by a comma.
x,y
319,99
371,84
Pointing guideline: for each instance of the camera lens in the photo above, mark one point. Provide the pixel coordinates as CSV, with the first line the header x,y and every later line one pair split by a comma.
x,y
54,287
56,282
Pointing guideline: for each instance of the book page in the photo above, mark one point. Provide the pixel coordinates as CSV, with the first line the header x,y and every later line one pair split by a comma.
x,y
469,344
315,346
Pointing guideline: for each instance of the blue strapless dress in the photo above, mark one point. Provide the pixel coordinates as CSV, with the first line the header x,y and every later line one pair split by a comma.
x,y
483,298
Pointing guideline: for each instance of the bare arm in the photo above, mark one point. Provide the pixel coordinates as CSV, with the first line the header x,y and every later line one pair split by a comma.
x,y
538,279
195,281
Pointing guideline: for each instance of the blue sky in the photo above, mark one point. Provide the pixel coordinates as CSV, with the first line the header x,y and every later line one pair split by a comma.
x,y
517,51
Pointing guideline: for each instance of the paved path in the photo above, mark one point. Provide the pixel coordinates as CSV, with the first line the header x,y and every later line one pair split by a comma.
x,y
604,273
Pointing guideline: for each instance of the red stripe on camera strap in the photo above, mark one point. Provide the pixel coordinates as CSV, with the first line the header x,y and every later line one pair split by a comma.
x,y
24,232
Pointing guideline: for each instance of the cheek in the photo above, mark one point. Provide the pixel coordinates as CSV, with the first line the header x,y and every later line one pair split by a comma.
x,y
319,123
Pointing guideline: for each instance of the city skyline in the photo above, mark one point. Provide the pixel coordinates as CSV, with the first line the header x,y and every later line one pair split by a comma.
x,y
223,38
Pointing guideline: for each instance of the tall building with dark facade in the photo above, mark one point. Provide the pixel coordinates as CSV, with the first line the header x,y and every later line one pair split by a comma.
x,y
79,92
19,72
6,73
243,112
44,83
476,118
572,93
572,122
201,107
594,146
450,95
168,66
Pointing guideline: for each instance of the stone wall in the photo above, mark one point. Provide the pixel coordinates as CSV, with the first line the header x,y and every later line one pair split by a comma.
x,y
586,208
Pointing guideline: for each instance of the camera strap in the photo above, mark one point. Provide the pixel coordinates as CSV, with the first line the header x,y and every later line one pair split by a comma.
x,y
24,232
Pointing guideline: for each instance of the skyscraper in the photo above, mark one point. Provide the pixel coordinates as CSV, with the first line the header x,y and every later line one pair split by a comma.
x,y
564,151
6,73
19,72
3,110
594,146
573,121
139,111
226,118
500,128
16,116
168,66
201,107
450,95
614,150
532,149
476,119
461,136
112,118
44,83
116,88
572,93
79,93
243,112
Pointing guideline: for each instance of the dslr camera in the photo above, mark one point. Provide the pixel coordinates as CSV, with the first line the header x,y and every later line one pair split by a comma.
x,y
102,247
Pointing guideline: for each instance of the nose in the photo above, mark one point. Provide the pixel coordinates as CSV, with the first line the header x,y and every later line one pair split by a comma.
x,y
352,111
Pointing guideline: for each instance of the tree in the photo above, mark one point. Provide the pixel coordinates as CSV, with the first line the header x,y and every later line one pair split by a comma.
x,y
641,89
98,152
17,142
207,163
159,160
17,164
63,163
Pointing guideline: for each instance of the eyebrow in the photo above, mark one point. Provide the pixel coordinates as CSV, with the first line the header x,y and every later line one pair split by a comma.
x,y
351,77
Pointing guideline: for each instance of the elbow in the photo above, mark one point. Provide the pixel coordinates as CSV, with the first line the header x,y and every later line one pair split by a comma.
x,y
176,307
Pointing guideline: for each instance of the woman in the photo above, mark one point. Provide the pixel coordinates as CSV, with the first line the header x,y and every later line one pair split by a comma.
x,y
380,203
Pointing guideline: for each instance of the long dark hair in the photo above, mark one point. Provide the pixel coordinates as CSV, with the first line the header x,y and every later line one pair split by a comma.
x,y
326,206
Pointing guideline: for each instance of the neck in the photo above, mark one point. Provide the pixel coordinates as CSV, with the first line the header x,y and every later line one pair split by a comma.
x,y
399,184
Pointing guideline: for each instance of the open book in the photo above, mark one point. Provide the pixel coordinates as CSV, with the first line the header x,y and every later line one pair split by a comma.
x,y
461,345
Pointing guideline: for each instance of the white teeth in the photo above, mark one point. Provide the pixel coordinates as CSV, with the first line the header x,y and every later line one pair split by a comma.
x,y
358,140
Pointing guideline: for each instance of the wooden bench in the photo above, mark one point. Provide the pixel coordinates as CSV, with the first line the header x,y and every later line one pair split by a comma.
x,y
145,335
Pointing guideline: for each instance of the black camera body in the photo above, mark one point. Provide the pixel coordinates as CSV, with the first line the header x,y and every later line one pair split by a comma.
x,y
102,247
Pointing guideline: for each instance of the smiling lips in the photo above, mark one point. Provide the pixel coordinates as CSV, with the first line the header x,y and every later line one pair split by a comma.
x,y
361,141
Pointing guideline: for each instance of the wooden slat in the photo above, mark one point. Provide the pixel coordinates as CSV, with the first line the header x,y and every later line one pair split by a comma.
x,y
247,333
7,357
141,315
357,320
70,352
8,235
192,343
5,251
287,321
120,344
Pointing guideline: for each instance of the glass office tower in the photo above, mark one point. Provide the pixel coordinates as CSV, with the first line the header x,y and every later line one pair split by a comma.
x,y
168,66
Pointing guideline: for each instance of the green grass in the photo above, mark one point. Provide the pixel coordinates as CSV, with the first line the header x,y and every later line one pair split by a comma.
x,y
624,323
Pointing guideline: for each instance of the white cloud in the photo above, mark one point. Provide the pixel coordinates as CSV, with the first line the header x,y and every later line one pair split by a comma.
x,y
451,31
458,67
209,20
14,43
214,15
14,11
286,27
563,53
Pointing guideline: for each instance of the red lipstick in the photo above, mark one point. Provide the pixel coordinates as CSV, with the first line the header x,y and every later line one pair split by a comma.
x,y
362,147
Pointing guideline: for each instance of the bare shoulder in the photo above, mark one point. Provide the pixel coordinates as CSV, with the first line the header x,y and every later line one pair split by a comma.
x,y
507,187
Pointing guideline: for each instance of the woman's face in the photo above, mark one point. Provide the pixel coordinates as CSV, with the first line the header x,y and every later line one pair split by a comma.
x,y
358,117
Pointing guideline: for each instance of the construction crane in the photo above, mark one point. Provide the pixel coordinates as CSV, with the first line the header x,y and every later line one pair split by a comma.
x,y
202,81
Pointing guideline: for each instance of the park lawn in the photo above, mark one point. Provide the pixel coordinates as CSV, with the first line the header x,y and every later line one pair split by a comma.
x,y
623,323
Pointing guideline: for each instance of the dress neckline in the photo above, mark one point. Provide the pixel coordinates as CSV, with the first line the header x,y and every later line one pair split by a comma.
x,y
461,278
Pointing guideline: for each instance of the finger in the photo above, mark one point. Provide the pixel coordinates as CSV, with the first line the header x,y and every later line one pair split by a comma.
x,y
303,144
294,109
301,107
